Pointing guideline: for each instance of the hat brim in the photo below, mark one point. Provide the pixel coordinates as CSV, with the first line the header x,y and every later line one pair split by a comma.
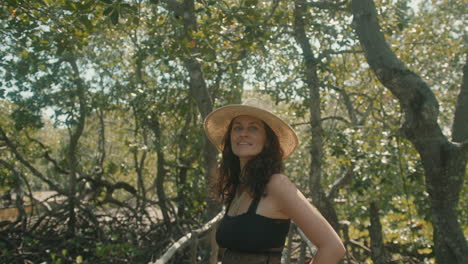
x,y
217,123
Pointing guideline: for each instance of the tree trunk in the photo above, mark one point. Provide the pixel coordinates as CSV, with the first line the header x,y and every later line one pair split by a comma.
x,y
75,133
444,162
319,198
460,120
139,163
375,231
200,93
161,171
184,162
197,85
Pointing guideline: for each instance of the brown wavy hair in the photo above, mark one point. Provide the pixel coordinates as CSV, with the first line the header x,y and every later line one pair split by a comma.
x,y
257,171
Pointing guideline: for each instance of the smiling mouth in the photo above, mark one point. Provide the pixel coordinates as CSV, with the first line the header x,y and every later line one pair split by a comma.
x,y
243,144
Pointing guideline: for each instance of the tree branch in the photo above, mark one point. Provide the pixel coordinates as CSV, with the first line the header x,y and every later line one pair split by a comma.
x,y
47,156
340,118
329,52
344,120
348,104
416,98
175,6
26,163
101,140
460,120
339,183
331,5
275,5
464,147
111,187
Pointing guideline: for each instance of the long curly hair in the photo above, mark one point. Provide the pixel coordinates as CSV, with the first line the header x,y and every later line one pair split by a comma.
x,y
257,171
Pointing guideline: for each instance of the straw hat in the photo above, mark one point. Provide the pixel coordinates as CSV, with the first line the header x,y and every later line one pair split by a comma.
x,y
217,122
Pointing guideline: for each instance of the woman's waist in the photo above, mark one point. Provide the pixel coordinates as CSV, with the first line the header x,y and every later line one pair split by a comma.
x,y
234,256
272,252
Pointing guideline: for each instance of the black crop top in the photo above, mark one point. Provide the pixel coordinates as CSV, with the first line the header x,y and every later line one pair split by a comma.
x,y
250,232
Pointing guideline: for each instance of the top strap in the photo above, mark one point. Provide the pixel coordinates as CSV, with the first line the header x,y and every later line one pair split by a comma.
x,y
230,202
254,204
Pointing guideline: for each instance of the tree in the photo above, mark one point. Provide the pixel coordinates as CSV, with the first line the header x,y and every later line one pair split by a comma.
x,y
319,197
126,85
444,160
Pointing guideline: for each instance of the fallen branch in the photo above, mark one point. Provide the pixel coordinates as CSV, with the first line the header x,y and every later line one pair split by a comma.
x,y
183,241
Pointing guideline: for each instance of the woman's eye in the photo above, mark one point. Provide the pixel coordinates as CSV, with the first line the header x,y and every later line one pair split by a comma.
x,y
238,128
253,128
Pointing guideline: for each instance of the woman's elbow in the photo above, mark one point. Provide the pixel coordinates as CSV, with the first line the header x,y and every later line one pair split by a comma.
x,y
341,250
330,253
337,249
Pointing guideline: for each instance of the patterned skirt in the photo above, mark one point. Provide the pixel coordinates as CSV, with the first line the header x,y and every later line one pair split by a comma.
x,y
234,257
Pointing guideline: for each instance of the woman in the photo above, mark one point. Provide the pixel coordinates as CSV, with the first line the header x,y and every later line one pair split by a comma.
x,y
261,200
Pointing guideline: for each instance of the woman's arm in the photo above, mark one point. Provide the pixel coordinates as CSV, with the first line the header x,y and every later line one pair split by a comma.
x,y
293,204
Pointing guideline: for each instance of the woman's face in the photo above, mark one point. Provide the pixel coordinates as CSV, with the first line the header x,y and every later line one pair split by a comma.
x,y
247,137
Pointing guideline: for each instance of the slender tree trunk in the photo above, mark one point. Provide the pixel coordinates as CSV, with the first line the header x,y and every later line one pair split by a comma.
x,y
181,190
376,236
75,133
316,150
101,156
199,91
139,169
161,172
142,123
460,120
197,86
184,162
140,117
444,162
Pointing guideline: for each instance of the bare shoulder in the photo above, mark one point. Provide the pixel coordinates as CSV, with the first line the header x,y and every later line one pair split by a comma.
x,y
287,198
278,180
280,184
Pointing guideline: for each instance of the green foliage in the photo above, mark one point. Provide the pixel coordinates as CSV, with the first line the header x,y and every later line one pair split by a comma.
x,y
117,68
